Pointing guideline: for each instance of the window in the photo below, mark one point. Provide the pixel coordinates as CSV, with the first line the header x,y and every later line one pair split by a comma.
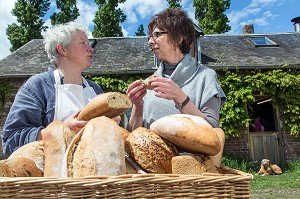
x,y
262,41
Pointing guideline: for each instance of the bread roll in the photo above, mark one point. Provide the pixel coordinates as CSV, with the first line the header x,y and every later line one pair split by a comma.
x,y
19,167
110,104
192,133
150,151
56,138
98,149
33,151
218,158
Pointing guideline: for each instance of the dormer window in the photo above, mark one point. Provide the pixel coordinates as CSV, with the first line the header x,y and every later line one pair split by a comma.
x,y
262,41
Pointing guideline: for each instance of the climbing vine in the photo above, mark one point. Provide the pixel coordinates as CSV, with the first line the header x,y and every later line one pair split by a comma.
x,y
282,85
5,89
240,85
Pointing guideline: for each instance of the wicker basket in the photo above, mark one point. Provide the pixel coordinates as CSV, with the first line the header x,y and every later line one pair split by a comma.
x,y
232,184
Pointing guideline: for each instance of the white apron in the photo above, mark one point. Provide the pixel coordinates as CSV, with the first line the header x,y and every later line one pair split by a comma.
x,y
70,98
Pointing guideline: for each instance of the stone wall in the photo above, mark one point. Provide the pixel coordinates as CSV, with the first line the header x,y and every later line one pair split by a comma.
x,y
291,147
8,100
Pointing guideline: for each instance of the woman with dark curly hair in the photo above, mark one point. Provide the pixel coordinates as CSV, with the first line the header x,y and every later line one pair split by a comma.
x,y
180,84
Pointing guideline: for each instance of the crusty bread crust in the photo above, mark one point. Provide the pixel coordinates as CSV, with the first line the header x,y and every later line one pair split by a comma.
x,y
150,151
19,167
33,151
189,132
56,138
98,149
110,104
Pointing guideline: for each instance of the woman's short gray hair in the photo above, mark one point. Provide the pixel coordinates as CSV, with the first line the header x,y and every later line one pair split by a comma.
x,y
60,34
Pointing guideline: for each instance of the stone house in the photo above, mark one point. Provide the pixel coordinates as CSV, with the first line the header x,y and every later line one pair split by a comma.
x,y
131,55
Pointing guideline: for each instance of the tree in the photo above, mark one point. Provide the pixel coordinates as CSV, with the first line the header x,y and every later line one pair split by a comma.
x,y
140,31
29,15
211,17
108,18
68,12
175,3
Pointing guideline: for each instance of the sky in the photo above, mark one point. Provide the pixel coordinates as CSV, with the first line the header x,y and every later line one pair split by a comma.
x,y
267,16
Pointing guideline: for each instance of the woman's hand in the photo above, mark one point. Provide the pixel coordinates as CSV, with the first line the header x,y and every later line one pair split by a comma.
x,y
167,88
136,91
117,119
74,124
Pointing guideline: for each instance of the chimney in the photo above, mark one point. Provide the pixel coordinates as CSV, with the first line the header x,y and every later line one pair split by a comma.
x,y
296,21
248,29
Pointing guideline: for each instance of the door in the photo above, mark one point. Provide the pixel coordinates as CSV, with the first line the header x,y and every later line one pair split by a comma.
x,y
265,146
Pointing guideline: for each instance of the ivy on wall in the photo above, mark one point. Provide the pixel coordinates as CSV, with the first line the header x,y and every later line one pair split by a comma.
x,y
240,85
5,89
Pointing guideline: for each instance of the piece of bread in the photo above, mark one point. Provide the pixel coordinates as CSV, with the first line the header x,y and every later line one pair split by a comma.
x,y
110,104
150,151
191,133
19,167
98,149
147,84
56,138
33,151
187,165
216,159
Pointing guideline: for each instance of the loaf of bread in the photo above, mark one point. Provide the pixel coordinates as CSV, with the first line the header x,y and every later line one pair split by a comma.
x,y
187,165
110,104
33,151
19,167
193,164
216,159
98,149
153,153
191,133
56,138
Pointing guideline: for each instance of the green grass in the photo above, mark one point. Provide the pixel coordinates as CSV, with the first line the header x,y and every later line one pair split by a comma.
x,y
286,185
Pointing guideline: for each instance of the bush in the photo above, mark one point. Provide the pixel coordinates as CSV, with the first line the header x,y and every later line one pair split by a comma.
x,y
247,166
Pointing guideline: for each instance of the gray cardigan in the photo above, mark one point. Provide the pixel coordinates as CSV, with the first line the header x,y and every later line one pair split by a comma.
x,y
199,82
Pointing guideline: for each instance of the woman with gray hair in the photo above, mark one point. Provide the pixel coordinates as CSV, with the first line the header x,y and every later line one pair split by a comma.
x,y
57,94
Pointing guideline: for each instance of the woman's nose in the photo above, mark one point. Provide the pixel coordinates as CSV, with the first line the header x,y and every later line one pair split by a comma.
x,y
91,49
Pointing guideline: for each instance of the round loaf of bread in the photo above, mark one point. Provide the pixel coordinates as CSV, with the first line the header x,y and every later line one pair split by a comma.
x,y
191,133
19,167
33,151
153,153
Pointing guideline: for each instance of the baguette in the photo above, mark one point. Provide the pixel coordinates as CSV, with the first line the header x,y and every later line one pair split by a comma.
x,y
110,104
191,133
98,149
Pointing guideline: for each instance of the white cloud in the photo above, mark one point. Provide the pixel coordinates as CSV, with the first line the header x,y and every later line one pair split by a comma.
x,y
87,11
137,10
6,18
258,13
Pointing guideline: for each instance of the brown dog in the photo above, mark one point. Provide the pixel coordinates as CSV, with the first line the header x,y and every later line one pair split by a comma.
x,y
266,168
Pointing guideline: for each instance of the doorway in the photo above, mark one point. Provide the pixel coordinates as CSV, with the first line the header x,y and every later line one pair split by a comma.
x,y
264,142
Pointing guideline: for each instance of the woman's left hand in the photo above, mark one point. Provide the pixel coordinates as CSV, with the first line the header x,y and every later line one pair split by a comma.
x,y
167,88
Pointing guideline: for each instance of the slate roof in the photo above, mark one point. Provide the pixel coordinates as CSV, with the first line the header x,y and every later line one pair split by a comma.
x,y
222,50
127,55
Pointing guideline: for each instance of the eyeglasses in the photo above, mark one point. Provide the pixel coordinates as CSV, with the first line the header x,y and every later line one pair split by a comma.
x,y
155,35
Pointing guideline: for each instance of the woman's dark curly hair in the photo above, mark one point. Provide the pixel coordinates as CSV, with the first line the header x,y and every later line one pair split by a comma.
x,y
178,25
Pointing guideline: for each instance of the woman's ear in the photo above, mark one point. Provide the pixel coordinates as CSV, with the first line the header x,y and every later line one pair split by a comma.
x,y
61,50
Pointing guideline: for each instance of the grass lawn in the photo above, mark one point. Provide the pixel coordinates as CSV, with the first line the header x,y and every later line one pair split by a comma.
x,y
286,185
